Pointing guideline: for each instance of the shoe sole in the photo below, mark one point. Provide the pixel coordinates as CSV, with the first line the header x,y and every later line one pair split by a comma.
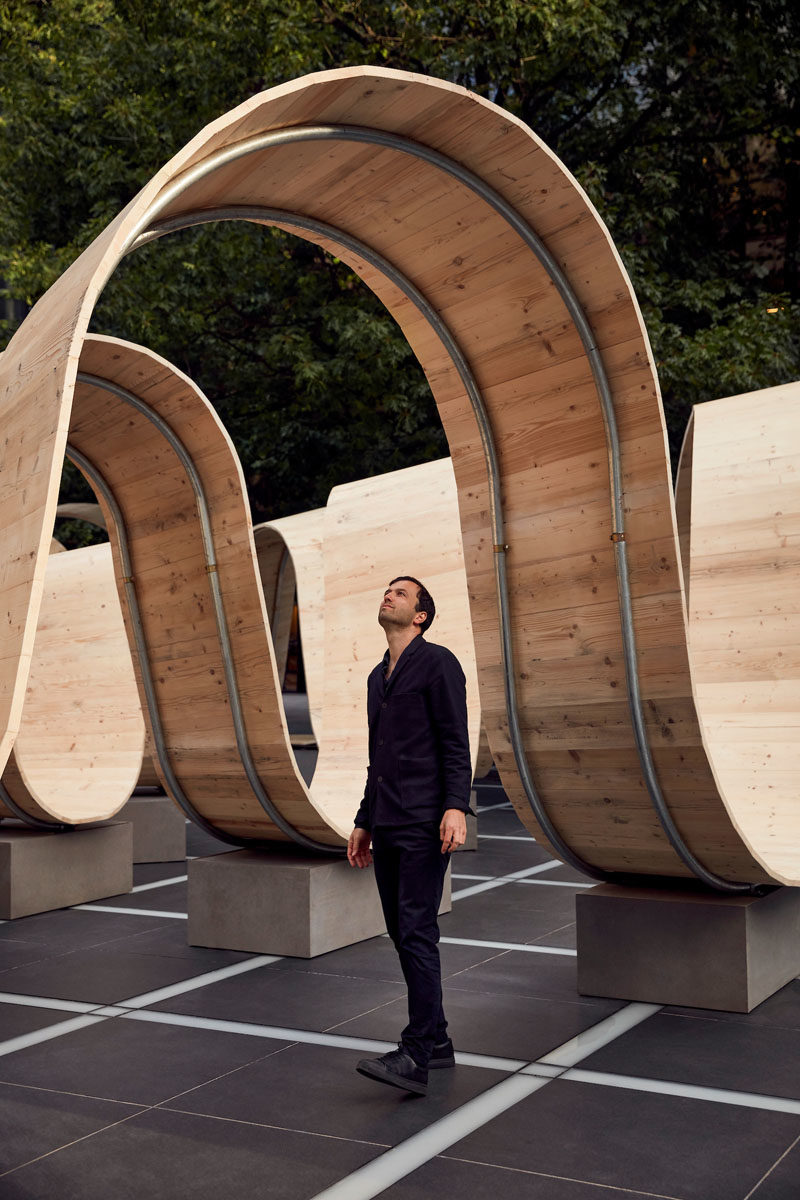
x,y
405,1085
438,1063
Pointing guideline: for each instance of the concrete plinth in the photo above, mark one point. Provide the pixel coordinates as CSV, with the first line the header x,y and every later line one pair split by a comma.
x,y
41,871
687,946
159,828
283,901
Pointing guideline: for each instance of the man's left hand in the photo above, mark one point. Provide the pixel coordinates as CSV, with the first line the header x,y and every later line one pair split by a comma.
x,y
453,830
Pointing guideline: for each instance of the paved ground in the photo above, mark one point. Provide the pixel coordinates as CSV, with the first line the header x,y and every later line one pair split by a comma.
x,y
134,1066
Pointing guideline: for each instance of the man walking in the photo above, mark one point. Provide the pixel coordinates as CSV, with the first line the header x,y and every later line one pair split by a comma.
x,y
413,813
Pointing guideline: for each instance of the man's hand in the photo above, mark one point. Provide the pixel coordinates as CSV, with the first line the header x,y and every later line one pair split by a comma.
x,y
358,851
453,830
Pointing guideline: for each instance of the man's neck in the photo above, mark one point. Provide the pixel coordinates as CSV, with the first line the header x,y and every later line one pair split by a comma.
x,y
398,639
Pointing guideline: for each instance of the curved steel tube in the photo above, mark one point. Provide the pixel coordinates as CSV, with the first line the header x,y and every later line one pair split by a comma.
x,y
28,818
159,741
556,274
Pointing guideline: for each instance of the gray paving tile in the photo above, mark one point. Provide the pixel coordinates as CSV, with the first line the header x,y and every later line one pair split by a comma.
x,y
445,1176
722,1054
100,975
781,1010
500,858
172,898
35,1123
317,1089
166,1155
519,973
169,941
377,959
133,1061
69,929
513,912
667,1145
17,1019
783,1181
509,1026
293,1000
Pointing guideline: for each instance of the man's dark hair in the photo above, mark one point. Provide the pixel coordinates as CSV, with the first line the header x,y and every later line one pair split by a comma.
x,y
424,600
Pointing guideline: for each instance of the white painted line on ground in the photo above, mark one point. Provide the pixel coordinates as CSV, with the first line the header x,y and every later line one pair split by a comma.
x,y
505,837
44,1002
250,1029
599,1035
131,912
45,1035
198,981
159,883
500,880
313,1038
395,1164
686,1091
454,941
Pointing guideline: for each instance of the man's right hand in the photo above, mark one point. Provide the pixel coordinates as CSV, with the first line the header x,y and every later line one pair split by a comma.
x,y
358,851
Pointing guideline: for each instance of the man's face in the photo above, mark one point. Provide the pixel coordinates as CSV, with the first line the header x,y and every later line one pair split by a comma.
x,y
398,606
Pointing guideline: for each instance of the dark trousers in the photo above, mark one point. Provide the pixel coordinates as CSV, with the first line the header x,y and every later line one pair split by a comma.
x,y
409,871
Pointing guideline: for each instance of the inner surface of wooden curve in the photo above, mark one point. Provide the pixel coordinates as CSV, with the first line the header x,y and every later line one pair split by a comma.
x,y
510,291
78,753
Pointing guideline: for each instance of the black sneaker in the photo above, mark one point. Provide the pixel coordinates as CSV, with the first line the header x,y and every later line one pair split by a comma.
x,y
398,1069
442,1056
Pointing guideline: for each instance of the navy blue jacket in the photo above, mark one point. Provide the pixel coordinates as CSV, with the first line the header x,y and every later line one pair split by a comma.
x,y
419,761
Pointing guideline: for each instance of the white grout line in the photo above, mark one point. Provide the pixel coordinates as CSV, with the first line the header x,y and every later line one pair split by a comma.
x,y
310,1037
159,883
44,1035
505,837
500,880
131,912
599,1035
687,1091
45,1002
401,1160
454,941
198,981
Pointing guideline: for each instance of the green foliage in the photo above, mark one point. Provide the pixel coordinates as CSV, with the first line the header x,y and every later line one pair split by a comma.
x,y
681,120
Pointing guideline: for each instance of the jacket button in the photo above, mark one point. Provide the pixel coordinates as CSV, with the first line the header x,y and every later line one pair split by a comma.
x,y
380,779
384,704
380,743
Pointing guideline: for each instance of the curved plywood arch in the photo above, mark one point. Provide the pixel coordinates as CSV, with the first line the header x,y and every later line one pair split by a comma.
x,y
290,563
79,751
440,199
738,495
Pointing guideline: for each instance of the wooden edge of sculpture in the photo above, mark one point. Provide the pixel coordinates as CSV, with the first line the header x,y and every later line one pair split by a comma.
x,y
510,291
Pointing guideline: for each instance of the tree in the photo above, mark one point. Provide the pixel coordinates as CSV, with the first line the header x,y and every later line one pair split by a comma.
x,y
680,119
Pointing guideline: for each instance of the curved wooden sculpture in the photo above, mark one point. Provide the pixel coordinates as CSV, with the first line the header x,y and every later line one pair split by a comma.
x,y
79,750
509,289
290,563
738,497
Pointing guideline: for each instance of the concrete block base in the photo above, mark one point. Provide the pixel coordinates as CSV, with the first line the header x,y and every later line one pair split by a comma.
x,y
283,901
42,871
159,828
687,946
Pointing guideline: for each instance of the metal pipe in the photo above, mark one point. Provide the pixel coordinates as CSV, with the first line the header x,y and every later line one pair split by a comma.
x,y
229,670
500,205
29,818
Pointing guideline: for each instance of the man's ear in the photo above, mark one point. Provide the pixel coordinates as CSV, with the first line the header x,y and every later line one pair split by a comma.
x,y
420,618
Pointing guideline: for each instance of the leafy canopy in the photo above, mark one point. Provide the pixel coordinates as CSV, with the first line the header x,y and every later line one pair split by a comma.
x,y
680,119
